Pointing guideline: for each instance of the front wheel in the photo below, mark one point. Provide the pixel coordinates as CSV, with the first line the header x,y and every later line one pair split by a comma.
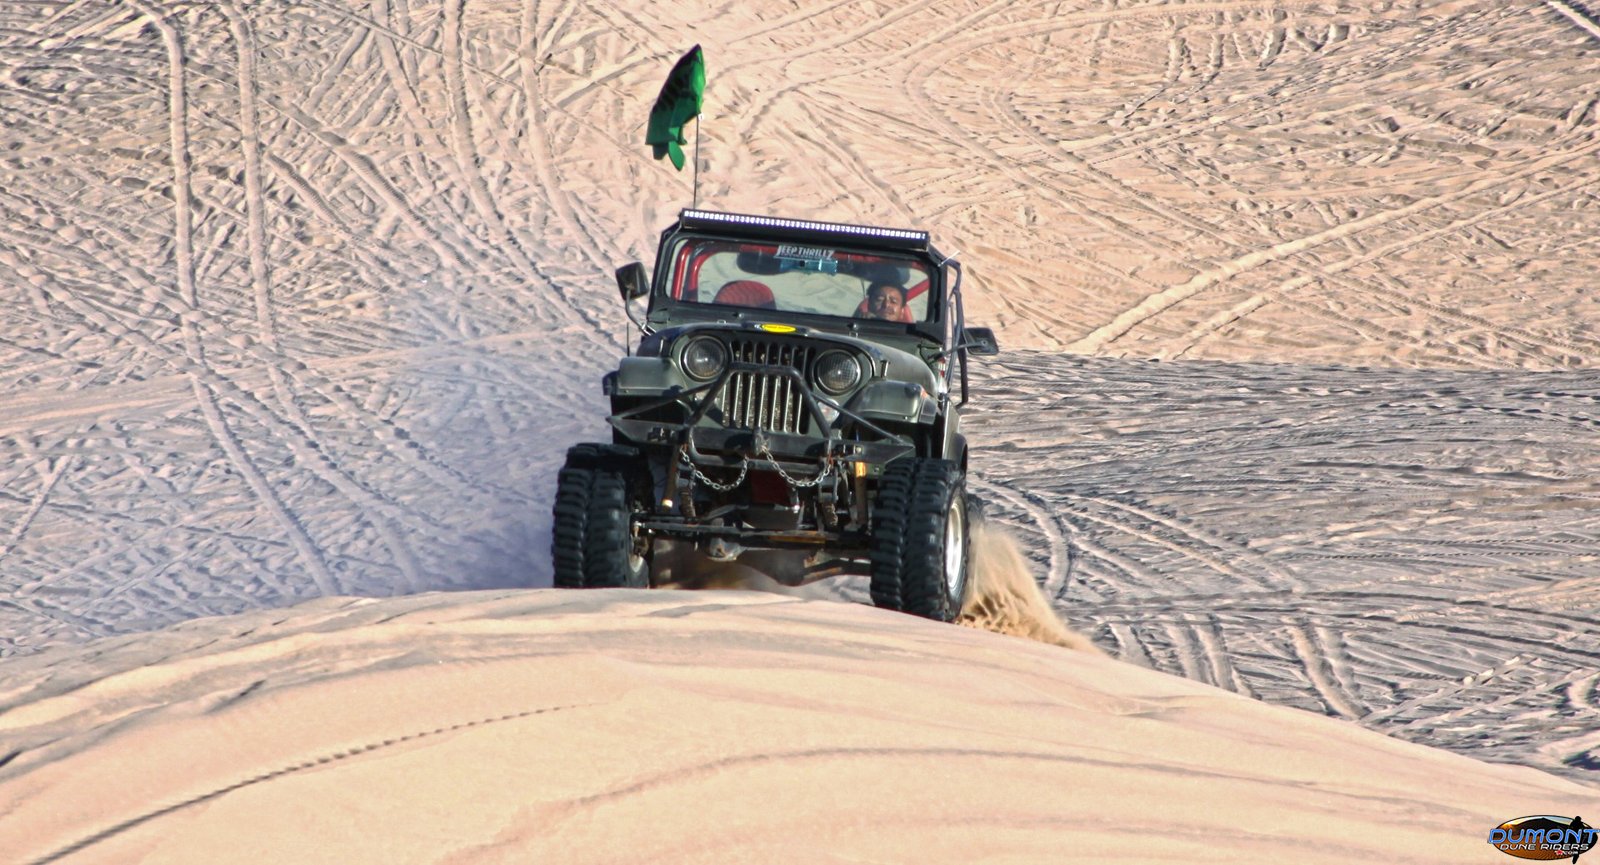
x,y
593,541
920,555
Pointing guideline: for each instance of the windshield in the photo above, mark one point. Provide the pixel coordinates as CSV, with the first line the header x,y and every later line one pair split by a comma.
x,y
823,280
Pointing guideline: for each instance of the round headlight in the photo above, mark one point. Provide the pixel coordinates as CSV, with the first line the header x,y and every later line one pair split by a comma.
x,y
838,371
704,358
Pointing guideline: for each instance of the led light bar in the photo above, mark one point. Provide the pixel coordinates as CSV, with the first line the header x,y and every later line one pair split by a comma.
x,y
919,237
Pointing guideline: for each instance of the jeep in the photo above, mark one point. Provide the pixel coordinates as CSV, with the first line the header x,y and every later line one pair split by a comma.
x,y
792,406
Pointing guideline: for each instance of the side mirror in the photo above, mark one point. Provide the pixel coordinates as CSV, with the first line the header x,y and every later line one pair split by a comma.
x,y
979,341
632,281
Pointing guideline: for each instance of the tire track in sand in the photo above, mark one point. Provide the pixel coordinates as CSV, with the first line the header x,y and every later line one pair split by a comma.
x,y
318,762
1165,299
1216,323
1313,652
221,432
261,284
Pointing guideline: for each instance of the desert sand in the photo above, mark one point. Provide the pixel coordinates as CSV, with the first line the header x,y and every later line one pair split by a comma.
x,y
304,301
617,726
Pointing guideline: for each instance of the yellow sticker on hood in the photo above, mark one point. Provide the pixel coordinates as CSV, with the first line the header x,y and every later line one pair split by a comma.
x,y
777,328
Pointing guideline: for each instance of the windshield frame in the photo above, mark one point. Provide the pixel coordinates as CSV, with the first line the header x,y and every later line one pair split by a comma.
x,y
676,243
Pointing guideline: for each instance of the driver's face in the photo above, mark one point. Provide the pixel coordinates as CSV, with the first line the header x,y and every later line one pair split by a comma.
x,y
887,304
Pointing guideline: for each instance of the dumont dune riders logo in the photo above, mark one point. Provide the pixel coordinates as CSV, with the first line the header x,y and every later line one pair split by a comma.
x,y
1544,836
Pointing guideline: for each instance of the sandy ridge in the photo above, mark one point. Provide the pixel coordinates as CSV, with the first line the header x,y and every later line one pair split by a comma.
x,y
252,722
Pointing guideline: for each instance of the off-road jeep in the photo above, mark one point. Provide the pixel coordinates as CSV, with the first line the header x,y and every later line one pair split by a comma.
x,y
793,406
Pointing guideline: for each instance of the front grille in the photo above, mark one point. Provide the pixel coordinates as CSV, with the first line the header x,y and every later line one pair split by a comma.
x,y
763,401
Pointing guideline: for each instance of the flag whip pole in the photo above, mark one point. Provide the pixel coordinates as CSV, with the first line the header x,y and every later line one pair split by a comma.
x,y
696,204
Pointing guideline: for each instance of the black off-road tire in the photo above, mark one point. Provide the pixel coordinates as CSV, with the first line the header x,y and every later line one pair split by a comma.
x,y
890,509
610,560
920,553
569,527
591,538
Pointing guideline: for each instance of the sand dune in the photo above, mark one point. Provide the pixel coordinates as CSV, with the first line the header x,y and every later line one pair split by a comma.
x,y
673,726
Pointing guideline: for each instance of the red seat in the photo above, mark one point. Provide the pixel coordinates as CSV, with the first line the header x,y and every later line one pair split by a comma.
x,y
746,292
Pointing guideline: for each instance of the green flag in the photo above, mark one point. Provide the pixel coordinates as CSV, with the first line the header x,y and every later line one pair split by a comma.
x,y
678,103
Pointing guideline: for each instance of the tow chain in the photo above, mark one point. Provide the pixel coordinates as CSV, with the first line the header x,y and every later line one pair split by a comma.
x,y
764,451
744,468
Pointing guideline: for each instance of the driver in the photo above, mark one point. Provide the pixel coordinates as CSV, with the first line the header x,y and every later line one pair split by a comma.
x,y
886,301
